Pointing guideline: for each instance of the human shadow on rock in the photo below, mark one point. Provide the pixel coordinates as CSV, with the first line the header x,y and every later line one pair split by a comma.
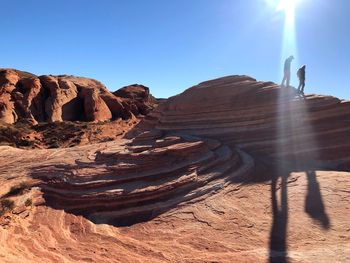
x,y
314,205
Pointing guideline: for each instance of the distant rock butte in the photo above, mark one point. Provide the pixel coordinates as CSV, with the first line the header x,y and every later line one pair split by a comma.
x,y
65,98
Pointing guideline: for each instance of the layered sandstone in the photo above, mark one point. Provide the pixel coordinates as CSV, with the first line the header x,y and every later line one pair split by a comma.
x,y
225,171
146,178
229,221
62,98
262,119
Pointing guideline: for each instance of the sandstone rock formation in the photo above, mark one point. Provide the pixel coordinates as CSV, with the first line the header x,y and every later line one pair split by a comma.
x,y
141,101
143,188
262,119
227,171
62,98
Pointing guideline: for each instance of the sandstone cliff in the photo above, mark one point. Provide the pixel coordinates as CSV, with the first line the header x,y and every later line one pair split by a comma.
x,y
64,98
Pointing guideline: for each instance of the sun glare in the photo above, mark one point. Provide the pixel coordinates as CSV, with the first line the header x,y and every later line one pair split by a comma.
x,y
289,41
288,7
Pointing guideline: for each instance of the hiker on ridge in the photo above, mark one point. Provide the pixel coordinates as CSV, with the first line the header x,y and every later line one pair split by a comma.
x,y
286,77
301,76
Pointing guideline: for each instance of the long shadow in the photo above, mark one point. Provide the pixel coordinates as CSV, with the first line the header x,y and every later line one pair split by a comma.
x,y
314,205
267,170
278,251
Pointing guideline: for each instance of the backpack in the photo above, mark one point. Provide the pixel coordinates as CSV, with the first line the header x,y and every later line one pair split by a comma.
x,y
299,73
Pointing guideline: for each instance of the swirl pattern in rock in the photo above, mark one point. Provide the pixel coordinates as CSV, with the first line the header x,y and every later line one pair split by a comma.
x,y
192,146
261,118
148,177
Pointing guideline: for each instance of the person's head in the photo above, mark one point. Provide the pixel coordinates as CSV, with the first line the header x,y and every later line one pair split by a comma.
x,y
303,66
291,58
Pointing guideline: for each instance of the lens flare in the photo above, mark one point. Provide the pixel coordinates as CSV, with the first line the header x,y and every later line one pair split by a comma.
x,y
289,44
288,7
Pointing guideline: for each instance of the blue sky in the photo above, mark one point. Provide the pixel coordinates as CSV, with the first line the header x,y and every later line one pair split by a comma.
x,y
170,45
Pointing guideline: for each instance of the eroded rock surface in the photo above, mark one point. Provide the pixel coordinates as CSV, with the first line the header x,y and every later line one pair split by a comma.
x,y
228,171
139,97
261,118
63,98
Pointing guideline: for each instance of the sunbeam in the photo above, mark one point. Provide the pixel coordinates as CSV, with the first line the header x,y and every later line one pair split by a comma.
x,y
289,42
296,147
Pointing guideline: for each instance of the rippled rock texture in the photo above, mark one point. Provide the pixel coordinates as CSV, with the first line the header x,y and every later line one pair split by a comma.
x,y
144,179
227,171
261,118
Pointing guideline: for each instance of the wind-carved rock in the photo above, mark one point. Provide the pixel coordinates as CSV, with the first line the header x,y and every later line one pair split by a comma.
x,y
94,106
152,174
8,80
61,98
210,158
61,92
197,142
192,145
261,118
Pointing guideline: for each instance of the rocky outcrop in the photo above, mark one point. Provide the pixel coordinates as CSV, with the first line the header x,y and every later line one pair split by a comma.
x,y
62,98
8,80
196,143
151,175
195,165
261,118
139,99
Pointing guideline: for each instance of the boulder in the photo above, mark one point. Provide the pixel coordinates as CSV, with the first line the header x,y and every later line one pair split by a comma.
x,y
138,98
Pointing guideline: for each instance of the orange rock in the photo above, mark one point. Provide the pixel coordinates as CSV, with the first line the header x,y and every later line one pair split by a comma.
x,y
64,98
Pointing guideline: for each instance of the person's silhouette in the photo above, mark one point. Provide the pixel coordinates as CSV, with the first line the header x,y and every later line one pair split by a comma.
x,y
301,76
286,77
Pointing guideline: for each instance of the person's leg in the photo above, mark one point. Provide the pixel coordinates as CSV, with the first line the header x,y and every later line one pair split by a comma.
x,y
288,79
299,87
283,80
303,86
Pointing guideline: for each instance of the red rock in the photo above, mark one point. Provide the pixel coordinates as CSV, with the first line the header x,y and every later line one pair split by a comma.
x,y
199,180
8,77
94,106
140,99
18,210
61,92
261,118
65,98
7,109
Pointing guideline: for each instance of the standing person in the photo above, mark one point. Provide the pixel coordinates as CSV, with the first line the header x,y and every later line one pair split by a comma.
x,y
286,77
301,76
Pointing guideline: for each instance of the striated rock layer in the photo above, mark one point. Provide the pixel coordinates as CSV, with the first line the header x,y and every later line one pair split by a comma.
x,y
262,119
151,175
225,171
229,222
63,98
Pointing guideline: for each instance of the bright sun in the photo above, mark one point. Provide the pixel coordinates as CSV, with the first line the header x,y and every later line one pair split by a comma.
x,y
288,7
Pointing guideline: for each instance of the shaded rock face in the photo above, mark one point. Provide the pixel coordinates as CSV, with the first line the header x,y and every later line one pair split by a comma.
x,y
62,98
139,98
